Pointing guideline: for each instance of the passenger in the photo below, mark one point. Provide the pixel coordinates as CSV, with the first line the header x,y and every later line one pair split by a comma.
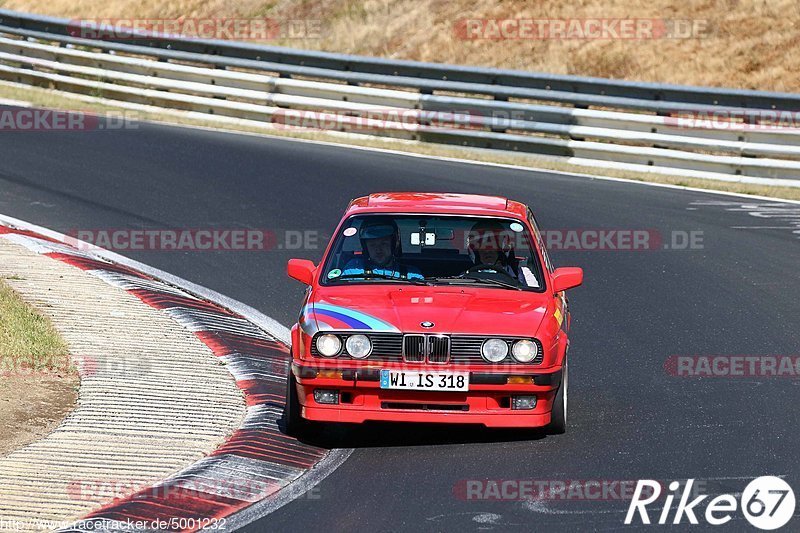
x,y
488,246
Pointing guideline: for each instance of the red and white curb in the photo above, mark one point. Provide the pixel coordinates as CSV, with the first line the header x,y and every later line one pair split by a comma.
x,y
258,469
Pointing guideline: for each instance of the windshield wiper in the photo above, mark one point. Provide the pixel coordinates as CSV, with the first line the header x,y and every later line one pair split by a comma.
x,y
498,283
460,277
474,280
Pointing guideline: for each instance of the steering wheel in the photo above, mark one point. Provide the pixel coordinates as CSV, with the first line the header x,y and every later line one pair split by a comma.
x,y
477,268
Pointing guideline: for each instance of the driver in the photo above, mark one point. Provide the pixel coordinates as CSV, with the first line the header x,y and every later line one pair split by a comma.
x,y
381,251
490,247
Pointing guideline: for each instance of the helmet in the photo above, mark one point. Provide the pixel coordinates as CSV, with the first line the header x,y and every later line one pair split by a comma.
x,y
379,227
488,234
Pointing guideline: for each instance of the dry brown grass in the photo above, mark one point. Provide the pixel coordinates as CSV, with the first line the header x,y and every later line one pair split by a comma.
x,y
750,43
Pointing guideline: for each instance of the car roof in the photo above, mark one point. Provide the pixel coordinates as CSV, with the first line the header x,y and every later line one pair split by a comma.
x,y
426,202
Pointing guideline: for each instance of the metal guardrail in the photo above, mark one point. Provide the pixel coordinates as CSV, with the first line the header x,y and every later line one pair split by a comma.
x,y
586,119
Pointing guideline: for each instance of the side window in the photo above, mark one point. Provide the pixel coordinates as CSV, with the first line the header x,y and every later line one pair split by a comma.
x,y
540,241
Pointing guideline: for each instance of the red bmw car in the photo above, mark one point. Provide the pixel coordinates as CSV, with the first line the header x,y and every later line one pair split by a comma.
x,y
432,308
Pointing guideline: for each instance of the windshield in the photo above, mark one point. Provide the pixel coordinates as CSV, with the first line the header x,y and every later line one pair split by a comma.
x,y
433,250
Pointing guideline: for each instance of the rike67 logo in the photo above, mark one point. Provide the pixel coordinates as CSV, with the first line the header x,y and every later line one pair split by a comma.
x,y
767,503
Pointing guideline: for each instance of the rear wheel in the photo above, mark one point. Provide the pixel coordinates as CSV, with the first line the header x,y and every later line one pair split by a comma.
x,y
558,418
295,424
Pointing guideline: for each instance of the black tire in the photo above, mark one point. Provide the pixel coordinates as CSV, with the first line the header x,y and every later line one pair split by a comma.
x,y
294,424
558,418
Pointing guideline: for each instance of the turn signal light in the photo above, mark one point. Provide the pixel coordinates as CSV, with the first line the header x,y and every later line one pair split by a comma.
x,y
520,380
333,374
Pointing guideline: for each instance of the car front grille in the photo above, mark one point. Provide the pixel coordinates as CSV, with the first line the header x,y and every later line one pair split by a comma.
x,y
425,406
419,348
438,348
386,346
412,348
466,349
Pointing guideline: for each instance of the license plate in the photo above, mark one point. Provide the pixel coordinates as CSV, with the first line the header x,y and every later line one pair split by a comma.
x,y
436,381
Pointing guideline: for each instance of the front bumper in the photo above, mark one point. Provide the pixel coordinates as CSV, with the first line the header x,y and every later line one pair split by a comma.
x,y
488,402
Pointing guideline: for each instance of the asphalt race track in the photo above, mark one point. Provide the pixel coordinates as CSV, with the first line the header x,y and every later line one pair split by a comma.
x,y
737,294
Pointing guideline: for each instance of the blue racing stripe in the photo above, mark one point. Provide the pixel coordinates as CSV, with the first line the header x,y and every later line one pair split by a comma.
x,y
370,322
350,321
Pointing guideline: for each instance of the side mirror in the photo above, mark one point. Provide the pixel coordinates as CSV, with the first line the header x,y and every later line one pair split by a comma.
x,y
566,278
301,269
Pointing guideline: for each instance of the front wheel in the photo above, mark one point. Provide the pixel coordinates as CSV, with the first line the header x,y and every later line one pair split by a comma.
x,y
294,423
558,418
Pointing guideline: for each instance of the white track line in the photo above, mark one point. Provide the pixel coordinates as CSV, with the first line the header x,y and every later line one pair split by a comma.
x,y
293,490
336,457
279,331
472,162
407,154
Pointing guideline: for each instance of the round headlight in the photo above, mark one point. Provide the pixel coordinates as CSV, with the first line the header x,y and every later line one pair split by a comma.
x,y
358,346
524,351
494,350
328,345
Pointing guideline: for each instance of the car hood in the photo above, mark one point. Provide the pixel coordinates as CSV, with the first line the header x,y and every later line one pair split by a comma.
x,y
460,310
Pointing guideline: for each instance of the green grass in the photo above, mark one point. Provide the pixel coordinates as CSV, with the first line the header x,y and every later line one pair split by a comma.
x,y
28,341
